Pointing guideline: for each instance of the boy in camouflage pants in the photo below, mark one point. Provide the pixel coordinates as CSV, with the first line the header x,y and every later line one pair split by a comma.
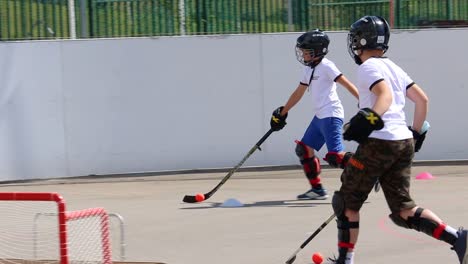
x,y
386,145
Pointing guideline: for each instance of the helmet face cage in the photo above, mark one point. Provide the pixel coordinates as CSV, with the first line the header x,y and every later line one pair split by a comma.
x,y
300,53
315,43
353,44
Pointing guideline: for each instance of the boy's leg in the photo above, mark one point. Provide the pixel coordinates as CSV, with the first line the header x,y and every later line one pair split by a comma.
x,y
312,170
331,128
426,221
348,229
358,179
405,213
396,186
312,139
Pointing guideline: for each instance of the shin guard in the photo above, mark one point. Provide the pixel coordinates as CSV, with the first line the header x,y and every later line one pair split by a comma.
x,y
424,225
310,164
343,225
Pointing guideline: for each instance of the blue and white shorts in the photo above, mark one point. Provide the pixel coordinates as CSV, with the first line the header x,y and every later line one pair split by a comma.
x,y
325,130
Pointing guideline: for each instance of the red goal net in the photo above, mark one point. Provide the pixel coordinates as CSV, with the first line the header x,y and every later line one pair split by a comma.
x,y
35,227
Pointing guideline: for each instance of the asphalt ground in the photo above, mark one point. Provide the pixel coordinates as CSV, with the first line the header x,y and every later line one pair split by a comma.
x,y
270,226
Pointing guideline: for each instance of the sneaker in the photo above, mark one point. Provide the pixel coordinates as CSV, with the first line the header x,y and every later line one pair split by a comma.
x,y
343,258
314,194
460,246
333,260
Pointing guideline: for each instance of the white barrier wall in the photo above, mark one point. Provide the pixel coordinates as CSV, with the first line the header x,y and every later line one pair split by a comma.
x,y
71,108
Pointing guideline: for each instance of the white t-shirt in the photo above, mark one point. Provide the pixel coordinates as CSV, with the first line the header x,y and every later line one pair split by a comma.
x,y
370,73
322,87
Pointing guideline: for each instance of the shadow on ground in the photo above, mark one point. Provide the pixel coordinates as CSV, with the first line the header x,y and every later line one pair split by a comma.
x,y
278,203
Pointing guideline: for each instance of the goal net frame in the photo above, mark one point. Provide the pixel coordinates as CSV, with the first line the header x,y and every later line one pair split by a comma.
x,y
64,217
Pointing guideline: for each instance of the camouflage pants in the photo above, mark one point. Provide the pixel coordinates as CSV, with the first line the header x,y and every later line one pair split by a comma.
x,y
384,160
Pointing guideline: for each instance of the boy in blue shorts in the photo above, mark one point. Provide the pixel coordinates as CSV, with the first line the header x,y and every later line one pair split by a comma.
x,y
320,77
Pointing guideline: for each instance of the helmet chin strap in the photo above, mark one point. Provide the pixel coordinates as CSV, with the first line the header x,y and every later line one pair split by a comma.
x,y
314,63
357,60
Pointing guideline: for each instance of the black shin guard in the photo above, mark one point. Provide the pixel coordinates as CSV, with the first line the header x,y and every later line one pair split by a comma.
x,y
344,236
424,225
343,225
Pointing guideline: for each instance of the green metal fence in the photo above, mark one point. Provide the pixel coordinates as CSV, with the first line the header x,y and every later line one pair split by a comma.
x,y
46,19
33,19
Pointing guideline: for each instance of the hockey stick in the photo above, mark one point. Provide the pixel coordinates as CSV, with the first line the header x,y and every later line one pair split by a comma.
x,y
192,198
377,186
293,257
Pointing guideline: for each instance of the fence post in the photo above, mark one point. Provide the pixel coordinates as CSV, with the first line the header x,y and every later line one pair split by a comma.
x,y
290,16
397,12
391,10
182,16
72,18
84,19
450,9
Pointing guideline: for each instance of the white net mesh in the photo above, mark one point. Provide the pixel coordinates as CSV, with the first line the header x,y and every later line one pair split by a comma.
x,y
88,231
17,234
29,233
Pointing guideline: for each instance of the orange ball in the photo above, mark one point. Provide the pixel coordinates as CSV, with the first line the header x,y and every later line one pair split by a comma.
x,y
199,197
317,258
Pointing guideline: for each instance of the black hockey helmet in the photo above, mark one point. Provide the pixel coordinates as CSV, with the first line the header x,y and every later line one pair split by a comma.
x,y
369,32
314,42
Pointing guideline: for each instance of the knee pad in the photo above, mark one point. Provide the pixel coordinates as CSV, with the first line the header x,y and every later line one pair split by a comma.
x,y
422,224
399,221
301,150
338,204
415,222
311,164
343,222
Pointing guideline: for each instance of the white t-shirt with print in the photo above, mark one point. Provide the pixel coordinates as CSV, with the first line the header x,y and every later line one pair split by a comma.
x,y
371,72
322,87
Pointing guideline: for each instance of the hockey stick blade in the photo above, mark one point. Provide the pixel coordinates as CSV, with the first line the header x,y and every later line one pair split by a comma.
x,y
192,198
291,260
324,224
189,199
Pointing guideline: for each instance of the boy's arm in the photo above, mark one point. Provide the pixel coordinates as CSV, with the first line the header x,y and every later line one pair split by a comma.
x,y
294,98
348,85
384,97
367,120
417,95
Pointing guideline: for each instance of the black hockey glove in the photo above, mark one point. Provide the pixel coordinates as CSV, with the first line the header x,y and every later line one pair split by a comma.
x,y
361,125
418,139
277,121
